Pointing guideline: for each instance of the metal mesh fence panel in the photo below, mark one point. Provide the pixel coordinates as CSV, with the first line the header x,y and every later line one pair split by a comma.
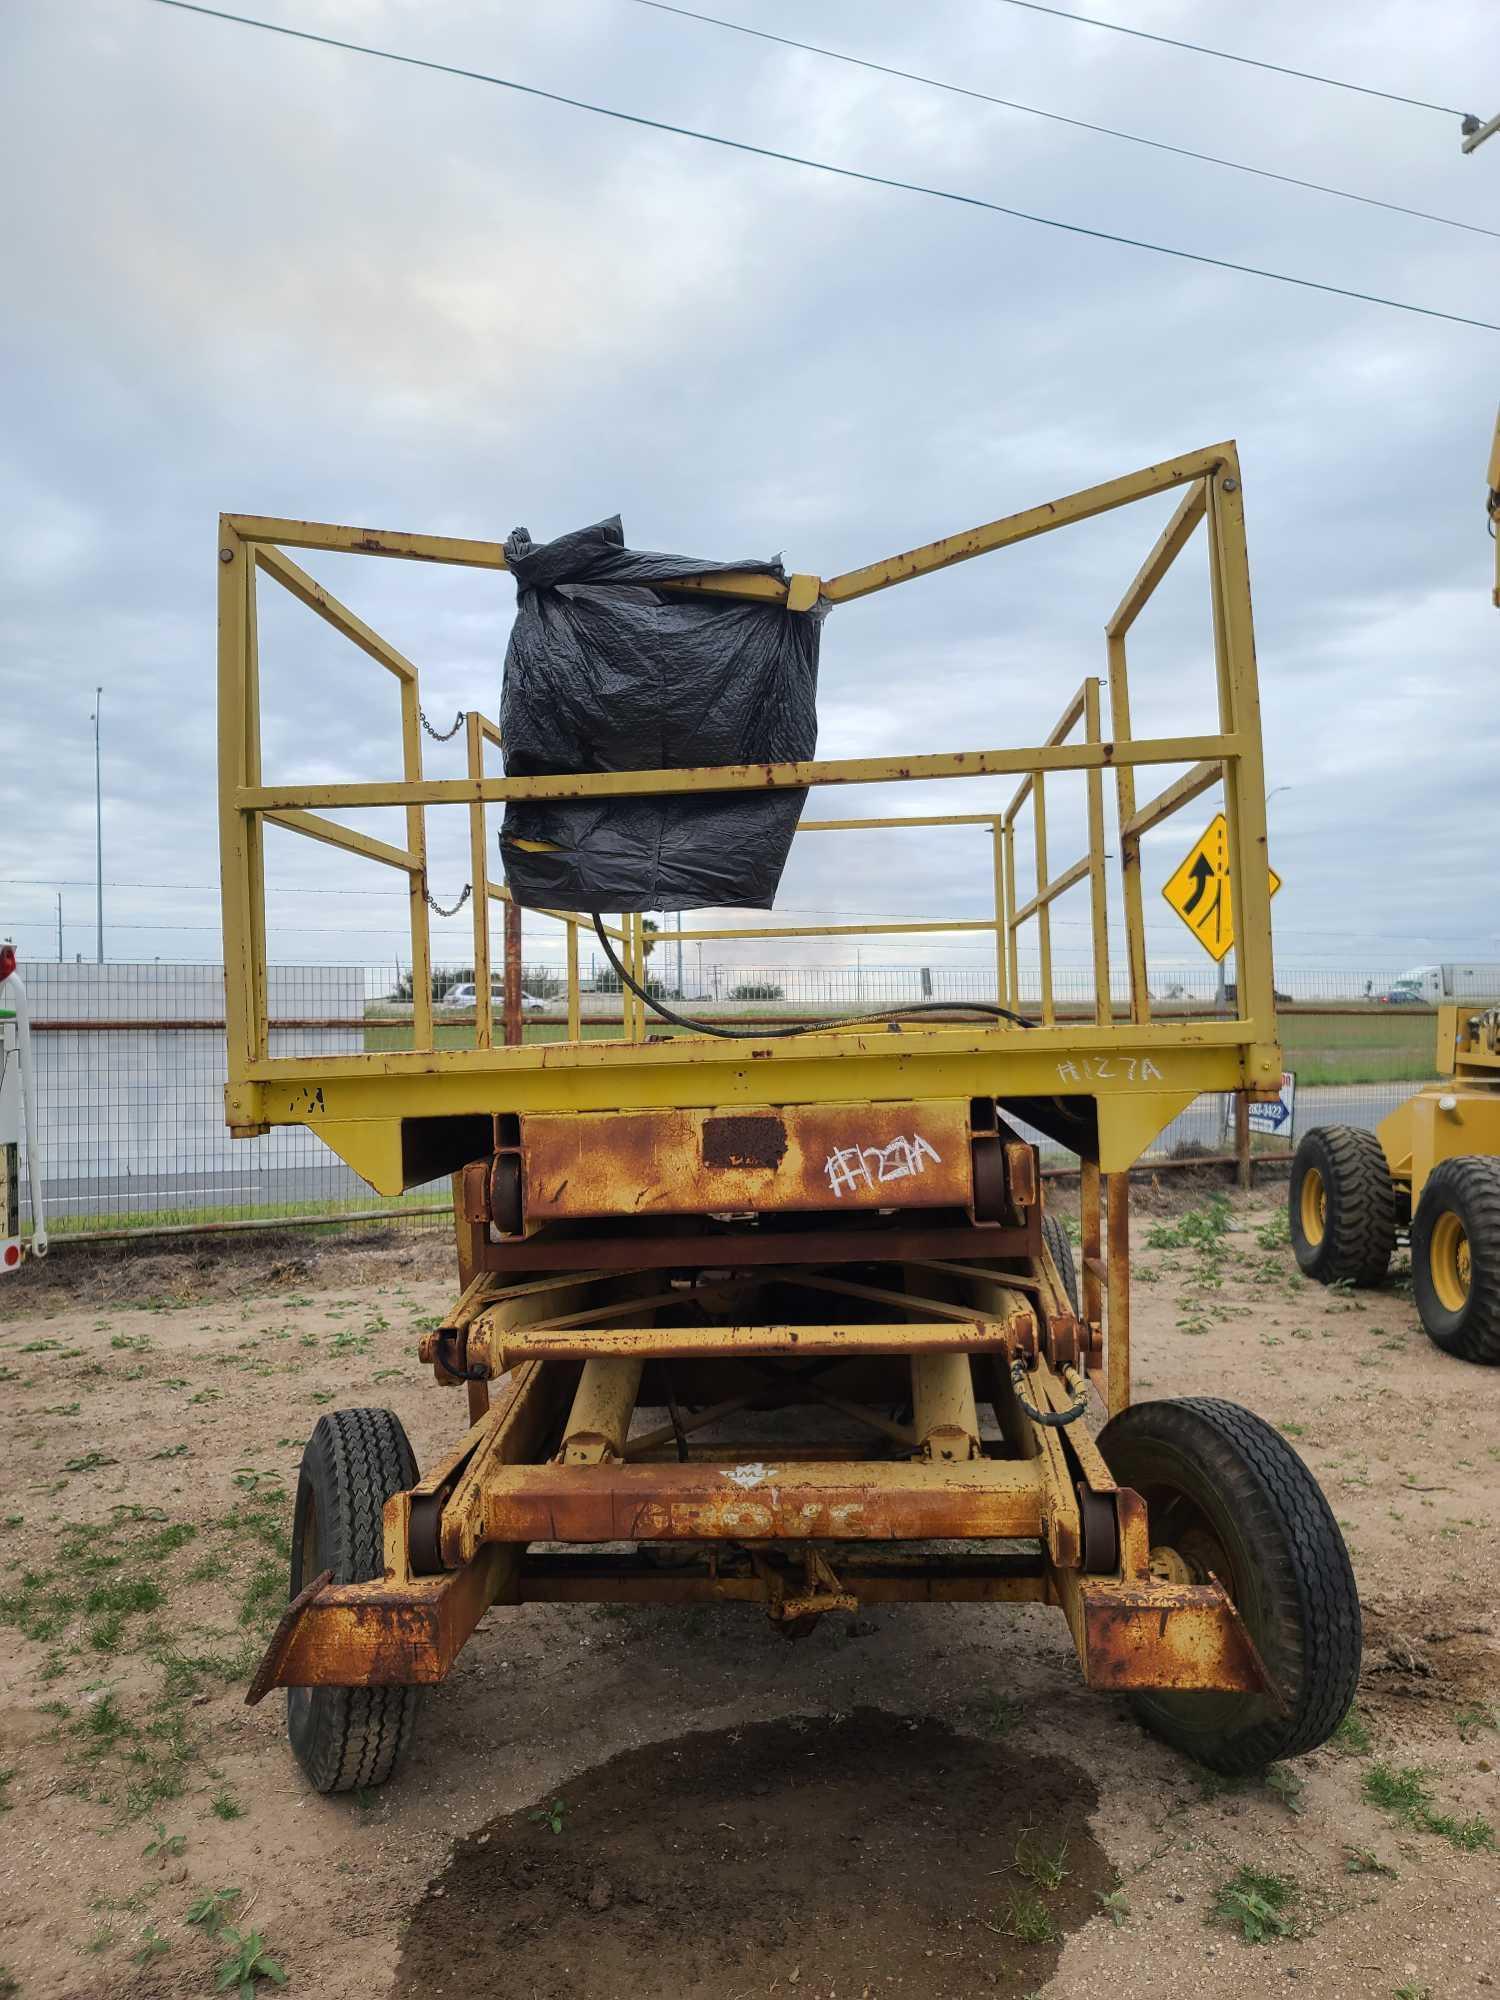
x,y
131,1070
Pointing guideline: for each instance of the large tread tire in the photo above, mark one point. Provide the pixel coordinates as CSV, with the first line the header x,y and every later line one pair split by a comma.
x,y
1357,1233
1058,1241
1467,1188
1288,1573
347,1738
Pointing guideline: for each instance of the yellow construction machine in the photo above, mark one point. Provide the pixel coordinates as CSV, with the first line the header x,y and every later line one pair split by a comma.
x,y
1430,1170
782,1320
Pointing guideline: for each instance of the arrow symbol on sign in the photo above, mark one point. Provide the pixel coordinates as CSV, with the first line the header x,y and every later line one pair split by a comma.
x,y
1202,873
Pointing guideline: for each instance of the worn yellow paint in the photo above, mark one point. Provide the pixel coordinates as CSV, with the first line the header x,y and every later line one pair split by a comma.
x,y
1136,1074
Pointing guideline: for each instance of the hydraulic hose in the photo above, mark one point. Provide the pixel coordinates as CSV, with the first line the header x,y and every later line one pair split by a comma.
x,y
985,1007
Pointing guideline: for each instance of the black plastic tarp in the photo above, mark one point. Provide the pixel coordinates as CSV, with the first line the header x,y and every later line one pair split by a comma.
x,y
606,673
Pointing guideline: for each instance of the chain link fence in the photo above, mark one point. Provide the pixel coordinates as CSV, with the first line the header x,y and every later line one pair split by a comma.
x,y
131,1071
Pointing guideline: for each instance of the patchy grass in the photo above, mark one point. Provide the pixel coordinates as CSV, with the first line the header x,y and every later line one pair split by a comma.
x,y
1027,1919
1404,1794
1041,1861
1352,1737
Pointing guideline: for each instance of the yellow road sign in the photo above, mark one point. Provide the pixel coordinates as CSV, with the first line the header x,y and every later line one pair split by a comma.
x,y
1199,890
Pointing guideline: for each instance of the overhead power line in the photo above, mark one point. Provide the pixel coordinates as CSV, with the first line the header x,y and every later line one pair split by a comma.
x,y
1059,117
1225,55
823,166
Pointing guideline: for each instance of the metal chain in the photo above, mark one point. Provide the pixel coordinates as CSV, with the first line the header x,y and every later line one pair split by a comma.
x,y
440,736
433,904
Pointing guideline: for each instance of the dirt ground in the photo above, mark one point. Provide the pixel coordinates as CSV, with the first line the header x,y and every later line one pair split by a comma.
x,y
660,1803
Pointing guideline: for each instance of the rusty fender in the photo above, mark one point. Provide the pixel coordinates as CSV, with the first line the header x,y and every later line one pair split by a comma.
x,y
1149,1634
382,1633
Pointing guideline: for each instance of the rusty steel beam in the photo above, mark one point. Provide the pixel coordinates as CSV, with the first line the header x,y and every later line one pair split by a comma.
x,y
1014,1577
501,1348
872,1500
856,1242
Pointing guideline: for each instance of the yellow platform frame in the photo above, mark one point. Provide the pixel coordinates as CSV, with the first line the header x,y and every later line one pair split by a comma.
x,y
372,1109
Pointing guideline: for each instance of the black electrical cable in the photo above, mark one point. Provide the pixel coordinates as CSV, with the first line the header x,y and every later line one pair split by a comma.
x,y
1061,118
985,1007
825,166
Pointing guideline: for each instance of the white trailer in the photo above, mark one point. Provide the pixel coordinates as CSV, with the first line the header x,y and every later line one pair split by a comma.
x,y
1426,985
17,1114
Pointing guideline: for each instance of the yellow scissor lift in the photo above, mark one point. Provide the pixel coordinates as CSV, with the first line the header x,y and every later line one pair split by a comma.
x,y
781,1319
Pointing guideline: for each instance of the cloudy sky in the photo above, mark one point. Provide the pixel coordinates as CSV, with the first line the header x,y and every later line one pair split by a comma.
x,y
249,273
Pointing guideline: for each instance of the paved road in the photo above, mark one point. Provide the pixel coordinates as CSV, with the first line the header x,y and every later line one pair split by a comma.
x,y
119,1195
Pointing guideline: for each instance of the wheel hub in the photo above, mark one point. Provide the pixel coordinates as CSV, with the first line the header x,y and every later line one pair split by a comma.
x,y
1451,1262
1167,1566
1313,1206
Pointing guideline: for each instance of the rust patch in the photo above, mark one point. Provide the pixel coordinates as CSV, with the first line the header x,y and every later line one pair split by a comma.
x,y
1166,1635
870,1501
763,1159
744,1141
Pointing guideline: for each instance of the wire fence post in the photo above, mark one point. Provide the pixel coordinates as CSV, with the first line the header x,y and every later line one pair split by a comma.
x,y
512,975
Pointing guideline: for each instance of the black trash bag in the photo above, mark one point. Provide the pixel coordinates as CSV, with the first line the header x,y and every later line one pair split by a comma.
x,y
604,673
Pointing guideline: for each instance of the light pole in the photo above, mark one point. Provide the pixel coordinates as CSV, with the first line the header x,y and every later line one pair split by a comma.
x,y
59,928
98,829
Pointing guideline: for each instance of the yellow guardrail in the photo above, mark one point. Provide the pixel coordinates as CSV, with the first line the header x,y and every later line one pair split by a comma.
x,y
252,547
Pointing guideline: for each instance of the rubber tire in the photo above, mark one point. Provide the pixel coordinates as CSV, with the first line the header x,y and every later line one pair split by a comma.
x,y
1359,1234
1470,1187
1290,1577
1058,1241
349,1737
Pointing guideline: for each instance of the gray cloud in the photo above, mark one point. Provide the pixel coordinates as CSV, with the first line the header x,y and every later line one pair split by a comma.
x,y
254,275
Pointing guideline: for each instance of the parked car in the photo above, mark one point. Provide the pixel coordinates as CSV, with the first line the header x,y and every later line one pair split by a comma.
x,y
466,994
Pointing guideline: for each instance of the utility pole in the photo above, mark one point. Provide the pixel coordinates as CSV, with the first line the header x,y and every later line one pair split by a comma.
x,y
59,927
98,828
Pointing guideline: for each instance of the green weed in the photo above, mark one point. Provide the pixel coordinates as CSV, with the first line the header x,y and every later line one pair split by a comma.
x,y
226,1806
248,1961
1276,1233
1027,1919
163,1847
152,1947
1352,1736
1473,1719
1360,1861
1254,1903
207,1911
1287,1786
550,1815
1041,1862
1200,1229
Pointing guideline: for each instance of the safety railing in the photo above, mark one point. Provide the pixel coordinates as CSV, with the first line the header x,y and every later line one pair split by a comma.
x,y
1230,752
